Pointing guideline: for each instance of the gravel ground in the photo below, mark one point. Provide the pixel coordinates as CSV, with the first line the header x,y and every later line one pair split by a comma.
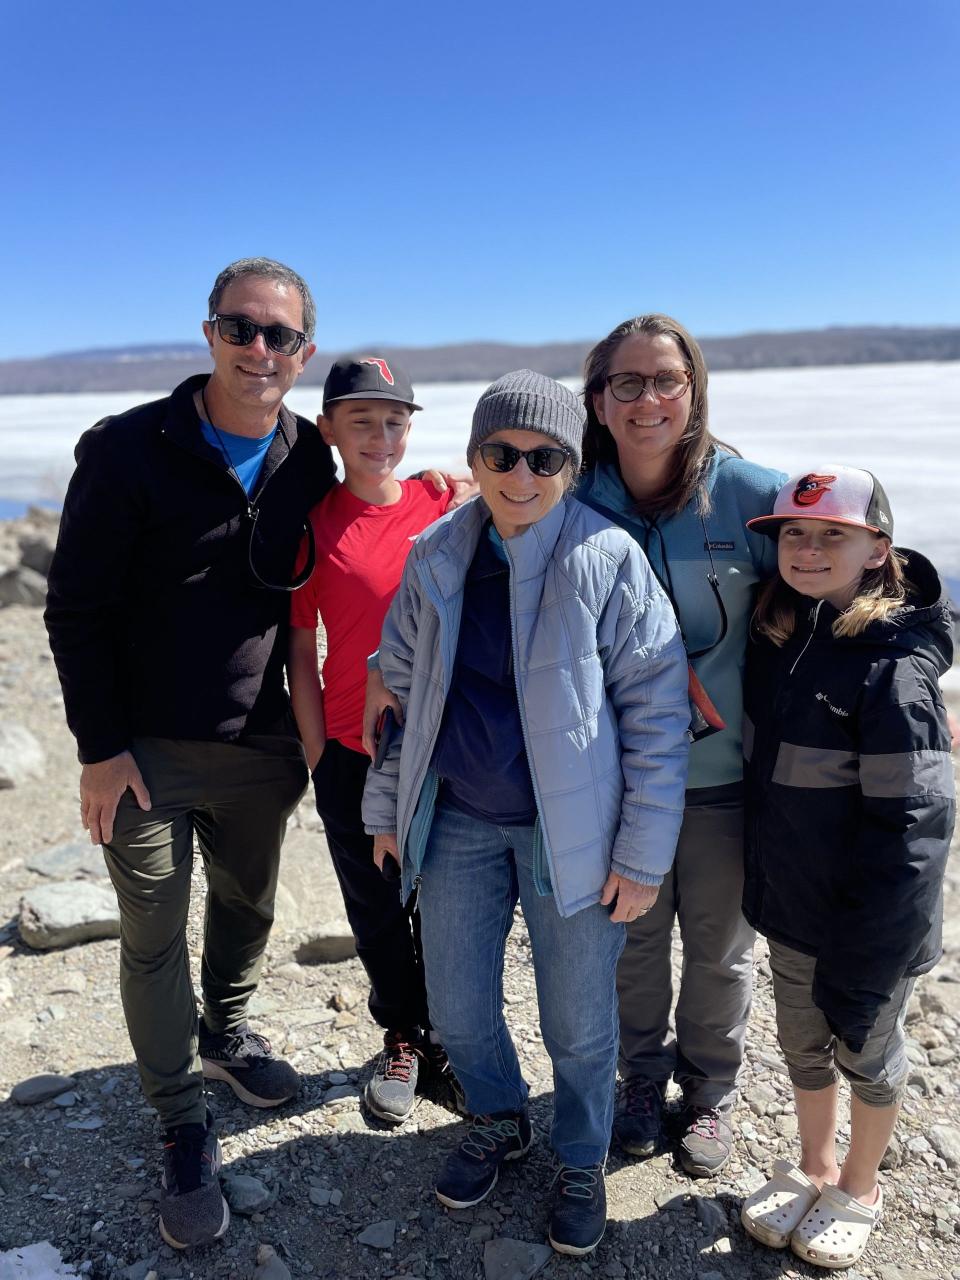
x,y
84,1175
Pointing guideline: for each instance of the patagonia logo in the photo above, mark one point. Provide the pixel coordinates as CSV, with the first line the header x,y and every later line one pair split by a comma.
x,y
811,489
381,365
837,711
720,546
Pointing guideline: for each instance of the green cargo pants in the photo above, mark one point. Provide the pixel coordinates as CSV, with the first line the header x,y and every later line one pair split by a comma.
x,y
236,798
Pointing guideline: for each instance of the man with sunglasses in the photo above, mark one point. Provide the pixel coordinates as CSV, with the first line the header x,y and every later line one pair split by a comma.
x,y
167,615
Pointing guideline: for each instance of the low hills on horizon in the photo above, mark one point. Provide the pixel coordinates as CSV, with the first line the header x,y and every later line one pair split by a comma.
x,y
163,365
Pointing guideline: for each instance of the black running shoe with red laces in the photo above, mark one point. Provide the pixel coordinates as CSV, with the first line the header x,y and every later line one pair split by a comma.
x,y
439,1082
391,1090
245,1062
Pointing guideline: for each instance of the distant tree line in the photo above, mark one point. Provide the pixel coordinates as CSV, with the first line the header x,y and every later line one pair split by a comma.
x,y
163,366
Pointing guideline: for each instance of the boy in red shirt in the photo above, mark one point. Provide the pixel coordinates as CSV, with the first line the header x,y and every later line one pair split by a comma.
x,y
363,530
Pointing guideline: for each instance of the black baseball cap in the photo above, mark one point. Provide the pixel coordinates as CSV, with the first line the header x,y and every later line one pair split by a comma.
x,y
367,378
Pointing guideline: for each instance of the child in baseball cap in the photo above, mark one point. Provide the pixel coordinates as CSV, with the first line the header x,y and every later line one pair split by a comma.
x,y
363,530
849,801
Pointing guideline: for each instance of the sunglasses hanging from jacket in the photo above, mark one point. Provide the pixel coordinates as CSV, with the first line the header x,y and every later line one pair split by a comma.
x,y
253,515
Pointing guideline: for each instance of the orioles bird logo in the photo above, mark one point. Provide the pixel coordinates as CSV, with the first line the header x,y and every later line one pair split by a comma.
x,y
811,489
381,365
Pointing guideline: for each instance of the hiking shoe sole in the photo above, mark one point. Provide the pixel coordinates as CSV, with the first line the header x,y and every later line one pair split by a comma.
x,y
389,1117
575,1250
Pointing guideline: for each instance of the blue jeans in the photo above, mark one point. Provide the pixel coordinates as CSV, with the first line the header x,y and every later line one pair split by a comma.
x,y
472,875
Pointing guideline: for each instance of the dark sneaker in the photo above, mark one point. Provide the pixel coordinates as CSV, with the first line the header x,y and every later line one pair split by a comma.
x,y
390,1092
471,1172
245,1062
578,1217
638,1119
439,1080
192,1207
705,1140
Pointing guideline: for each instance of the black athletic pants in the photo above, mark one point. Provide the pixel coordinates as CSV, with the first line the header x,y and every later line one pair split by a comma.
x,y
386,944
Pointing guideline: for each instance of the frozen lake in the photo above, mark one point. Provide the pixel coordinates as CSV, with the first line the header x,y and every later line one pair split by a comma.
x,y
896,420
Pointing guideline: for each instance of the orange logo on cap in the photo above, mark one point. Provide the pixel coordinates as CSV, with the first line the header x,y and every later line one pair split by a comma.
x,y
811,489
381,365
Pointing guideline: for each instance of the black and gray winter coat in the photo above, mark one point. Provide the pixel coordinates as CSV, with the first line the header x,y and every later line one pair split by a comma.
x,y
850,798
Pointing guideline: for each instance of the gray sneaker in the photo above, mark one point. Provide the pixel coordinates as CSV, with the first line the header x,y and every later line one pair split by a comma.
x,y
192,1208
391,1090
705,1140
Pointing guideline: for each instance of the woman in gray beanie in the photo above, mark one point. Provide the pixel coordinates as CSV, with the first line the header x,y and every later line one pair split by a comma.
x,y
543,689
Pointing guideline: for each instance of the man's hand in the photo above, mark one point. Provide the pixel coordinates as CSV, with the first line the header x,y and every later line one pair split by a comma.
x,y
101,786
385,846
633,899
378,698
463,487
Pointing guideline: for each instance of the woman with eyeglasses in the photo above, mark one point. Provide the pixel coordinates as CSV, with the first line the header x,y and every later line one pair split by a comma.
x,y
653,466
543,758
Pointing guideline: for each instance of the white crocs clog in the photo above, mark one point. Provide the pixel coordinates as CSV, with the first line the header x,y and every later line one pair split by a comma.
x,y
772,1213
836,1230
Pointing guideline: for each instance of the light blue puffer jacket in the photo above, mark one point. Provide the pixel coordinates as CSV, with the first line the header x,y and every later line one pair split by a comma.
x,y
602,684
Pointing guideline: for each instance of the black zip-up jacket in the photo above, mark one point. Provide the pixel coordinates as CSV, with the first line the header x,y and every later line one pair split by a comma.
x,y
157,623
850,799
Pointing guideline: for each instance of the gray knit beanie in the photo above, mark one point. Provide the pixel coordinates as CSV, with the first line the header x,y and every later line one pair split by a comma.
x,y
528,401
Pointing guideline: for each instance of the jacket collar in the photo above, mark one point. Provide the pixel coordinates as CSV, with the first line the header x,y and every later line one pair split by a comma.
x,y
452,547
604,490
181,424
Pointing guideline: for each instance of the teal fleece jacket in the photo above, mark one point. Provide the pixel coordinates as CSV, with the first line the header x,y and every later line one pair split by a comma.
x,y
675,547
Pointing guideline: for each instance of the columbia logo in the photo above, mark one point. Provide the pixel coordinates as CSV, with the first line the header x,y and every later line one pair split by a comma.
x,y
837,711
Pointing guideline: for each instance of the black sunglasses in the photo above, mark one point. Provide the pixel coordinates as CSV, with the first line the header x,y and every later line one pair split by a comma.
x,y
542,461
240,332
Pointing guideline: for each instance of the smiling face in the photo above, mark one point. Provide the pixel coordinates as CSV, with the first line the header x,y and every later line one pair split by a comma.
x,y
253,379
647,430
827,561
518,498
370,436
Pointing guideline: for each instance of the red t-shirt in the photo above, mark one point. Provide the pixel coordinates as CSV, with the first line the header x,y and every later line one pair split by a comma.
x,y
361,551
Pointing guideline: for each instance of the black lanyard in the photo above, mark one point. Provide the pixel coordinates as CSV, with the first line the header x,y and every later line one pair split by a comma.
x,y
253,515
666,581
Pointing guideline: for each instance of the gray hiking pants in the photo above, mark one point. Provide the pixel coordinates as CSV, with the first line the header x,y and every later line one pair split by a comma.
x,y
703,1047
236,799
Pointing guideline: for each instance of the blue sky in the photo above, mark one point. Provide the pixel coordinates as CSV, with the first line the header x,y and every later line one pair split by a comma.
x,y
525,172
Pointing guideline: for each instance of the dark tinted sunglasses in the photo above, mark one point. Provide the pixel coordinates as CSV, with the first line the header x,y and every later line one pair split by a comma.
x,y
542,461
240,332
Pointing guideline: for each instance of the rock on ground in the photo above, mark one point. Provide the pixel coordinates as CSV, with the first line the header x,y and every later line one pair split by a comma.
x,y
21,756
63,913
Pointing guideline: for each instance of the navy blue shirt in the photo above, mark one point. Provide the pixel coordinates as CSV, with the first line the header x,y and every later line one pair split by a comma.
x,y
480,755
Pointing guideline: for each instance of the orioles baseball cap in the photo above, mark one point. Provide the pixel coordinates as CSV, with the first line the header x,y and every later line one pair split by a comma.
x,y
841,495
367,378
